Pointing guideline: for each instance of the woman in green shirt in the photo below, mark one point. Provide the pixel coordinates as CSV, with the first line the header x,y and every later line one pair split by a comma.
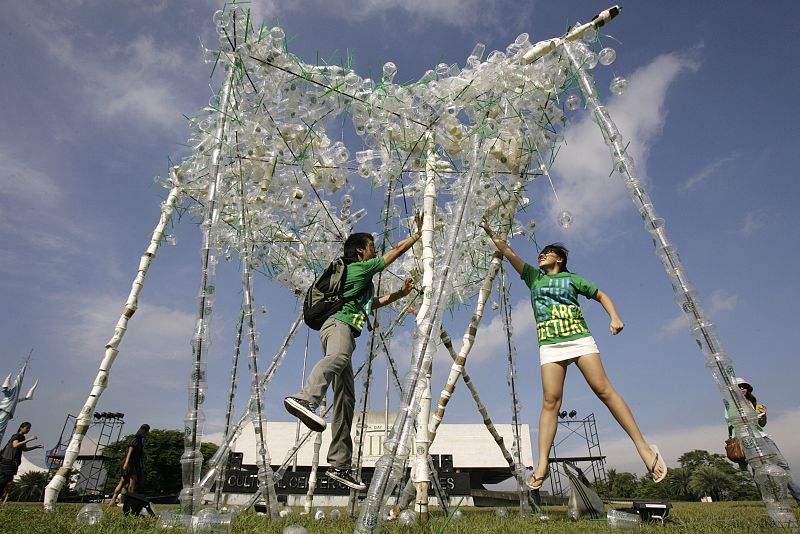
x,y
564,338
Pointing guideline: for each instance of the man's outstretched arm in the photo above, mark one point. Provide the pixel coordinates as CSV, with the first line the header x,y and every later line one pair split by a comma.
x,y
401,247
383,300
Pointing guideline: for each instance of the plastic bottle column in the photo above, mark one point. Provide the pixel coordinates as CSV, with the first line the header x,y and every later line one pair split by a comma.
x,y
192,458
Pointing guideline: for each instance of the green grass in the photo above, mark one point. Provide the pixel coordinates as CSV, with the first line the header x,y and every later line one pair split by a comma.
x,y
702,518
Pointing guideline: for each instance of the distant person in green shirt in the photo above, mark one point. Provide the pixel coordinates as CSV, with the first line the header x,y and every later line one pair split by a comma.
x,y
338,337
564,338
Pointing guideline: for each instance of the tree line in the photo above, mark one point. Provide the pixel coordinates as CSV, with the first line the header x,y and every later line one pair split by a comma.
x,y
700,474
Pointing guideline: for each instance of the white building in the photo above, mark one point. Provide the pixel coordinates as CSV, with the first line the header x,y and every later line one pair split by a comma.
x,y
467,454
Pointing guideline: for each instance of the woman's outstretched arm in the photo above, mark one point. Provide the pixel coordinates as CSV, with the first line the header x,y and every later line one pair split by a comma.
x,y
616,324
504,248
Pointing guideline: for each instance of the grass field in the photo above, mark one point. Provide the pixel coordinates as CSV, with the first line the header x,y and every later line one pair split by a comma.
x,y
703,518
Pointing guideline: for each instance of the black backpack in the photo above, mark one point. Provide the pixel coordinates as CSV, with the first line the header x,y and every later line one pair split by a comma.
x,y
326,295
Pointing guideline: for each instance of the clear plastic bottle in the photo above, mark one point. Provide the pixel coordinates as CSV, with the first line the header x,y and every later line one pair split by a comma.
x,y
781,515
90,514
210,521
623,520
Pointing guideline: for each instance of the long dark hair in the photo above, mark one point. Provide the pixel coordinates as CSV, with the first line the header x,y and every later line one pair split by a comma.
x,y
23,425
143,430
750,397
561,251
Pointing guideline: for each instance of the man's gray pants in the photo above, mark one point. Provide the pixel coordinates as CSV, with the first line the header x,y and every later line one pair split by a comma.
x,y
338,344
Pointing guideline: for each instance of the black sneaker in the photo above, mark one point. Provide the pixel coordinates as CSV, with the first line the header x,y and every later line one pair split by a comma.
x,y
305,411
345,476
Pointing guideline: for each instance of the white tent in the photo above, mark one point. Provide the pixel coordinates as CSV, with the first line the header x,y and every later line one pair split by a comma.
x,y
27,466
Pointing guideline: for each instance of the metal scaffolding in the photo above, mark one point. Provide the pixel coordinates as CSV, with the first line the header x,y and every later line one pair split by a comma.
x,y
594,462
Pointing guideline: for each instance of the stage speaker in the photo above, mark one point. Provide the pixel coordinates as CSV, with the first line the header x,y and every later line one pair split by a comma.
x,y
446,463
235,460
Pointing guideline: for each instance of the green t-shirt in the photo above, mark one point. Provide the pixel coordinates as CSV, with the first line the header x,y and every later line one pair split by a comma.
x,y
358,292
555,304
759,428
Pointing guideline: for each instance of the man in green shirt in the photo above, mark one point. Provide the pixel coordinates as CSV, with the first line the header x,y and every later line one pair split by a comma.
x,y
338,337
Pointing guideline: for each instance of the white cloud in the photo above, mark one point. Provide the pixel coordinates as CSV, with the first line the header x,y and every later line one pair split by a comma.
x,y
675,325
135,82
213,437
154,332
32,223
263,10
754,222
23,183
583,165
721,300
455,12
462,14
490,341
694,181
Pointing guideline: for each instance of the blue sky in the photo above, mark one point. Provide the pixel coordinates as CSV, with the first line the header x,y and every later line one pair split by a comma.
x,y
95,94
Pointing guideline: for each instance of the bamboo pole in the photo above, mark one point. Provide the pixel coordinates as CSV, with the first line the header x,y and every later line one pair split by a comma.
x,y
420,472
487,420
408,492
111,350
545,47
772,479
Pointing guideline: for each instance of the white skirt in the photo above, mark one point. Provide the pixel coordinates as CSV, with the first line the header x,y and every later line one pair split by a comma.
x,y
567,350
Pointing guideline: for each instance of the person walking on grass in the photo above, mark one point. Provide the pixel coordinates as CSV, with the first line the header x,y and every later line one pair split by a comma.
x,y
11,456
338,338
132,465
564,338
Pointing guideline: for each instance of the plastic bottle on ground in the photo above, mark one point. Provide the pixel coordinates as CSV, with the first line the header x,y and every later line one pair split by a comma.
x,y
623,520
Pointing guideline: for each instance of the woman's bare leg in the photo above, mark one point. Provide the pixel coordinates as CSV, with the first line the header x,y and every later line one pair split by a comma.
x,y
132,484
553,375
117,490
592,369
